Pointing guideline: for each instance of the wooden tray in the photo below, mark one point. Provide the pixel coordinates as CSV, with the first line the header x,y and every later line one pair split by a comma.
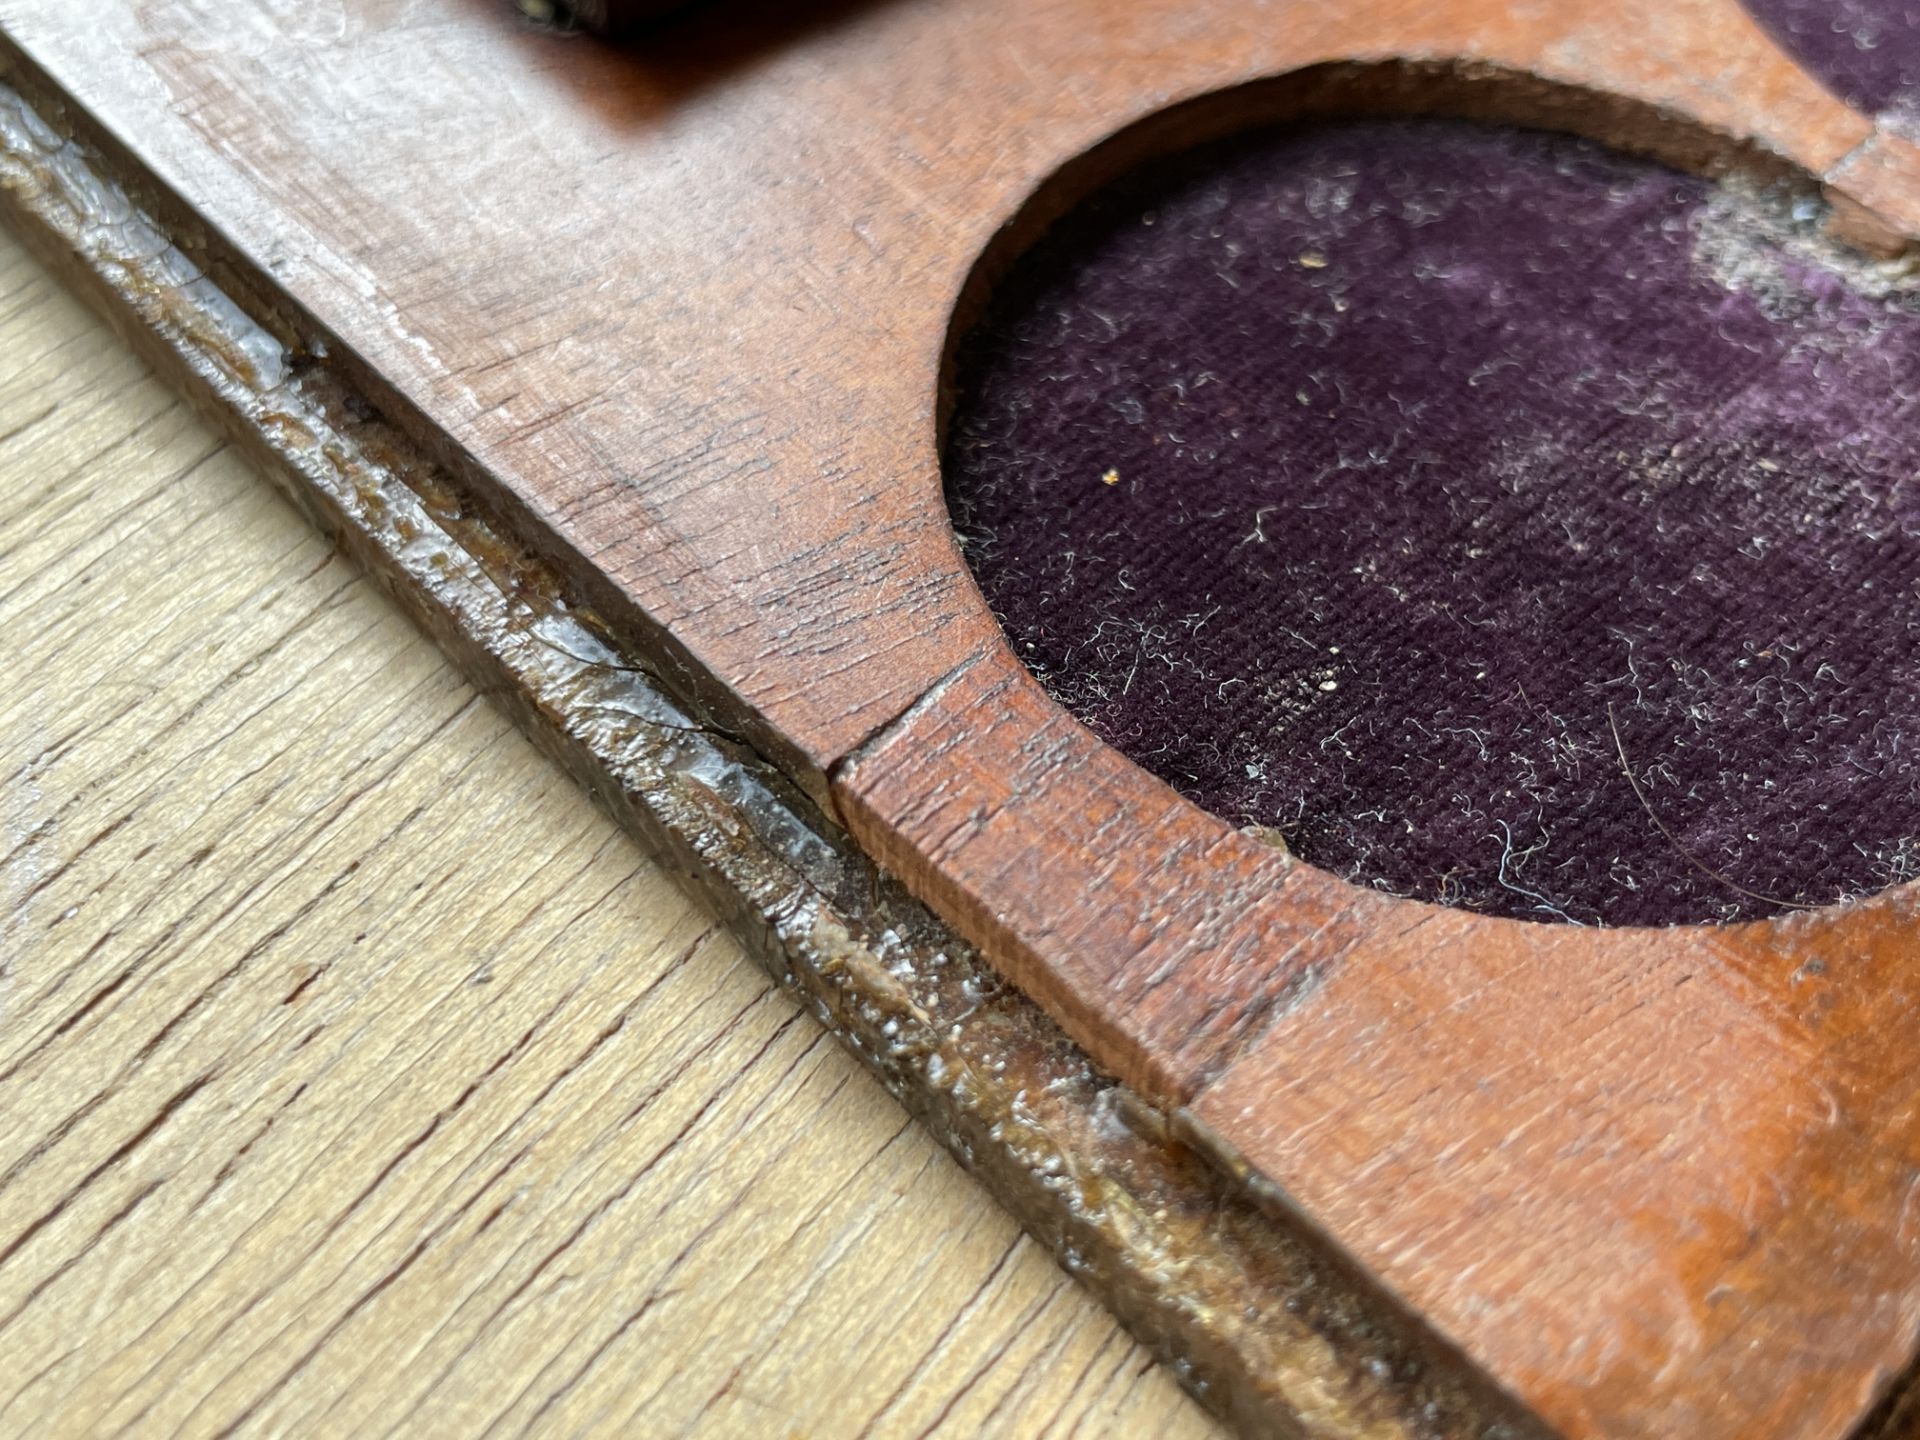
x,y
625,366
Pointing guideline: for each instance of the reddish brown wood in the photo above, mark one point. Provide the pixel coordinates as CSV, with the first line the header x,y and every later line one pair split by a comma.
x,y
1241,1307
1658,1183
679,312
1875,193
1671,1179
1157,935
683,310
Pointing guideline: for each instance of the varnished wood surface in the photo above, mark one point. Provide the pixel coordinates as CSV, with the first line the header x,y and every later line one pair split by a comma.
x,y
684,311
1252,1319
357,1073
1732,1121
683,314
1621,1164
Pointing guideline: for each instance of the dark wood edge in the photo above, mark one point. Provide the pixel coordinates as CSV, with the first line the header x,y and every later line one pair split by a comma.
x,y
1331,90
988,772
434,471
305,339
1264,1329
1871,181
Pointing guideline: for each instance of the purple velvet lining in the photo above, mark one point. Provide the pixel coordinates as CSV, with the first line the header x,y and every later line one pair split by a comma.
x,y
1386,483
1867,51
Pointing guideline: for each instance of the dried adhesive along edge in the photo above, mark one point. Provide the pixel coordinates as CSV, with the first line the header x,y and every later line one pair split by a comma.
x,y
1255,1322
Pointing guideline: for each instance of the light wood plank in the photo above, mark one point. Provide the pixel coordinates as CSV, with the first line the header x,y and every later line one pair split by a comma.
x,y
356,1074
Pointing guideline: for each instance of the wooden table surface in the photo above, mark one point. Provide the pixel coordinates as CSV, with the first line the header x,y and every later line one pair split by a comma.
x,y
356,1074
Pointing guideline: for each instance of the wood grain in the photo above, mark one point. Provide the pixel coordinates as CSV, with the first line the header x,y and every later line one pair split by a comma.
x,y
681,320
1697,1154
324,1110
1251,1320
1174,986
684,315
1660,1182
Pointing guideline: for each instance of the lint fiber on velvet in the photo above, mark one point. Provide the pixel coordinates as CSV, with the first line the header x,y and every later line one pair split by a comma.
x,y
1502,520
1866,51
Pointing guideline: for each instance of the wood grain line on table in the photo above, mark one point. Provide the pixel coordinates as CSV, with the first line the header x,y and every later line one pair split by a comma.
x,y
356,1072
1260,1329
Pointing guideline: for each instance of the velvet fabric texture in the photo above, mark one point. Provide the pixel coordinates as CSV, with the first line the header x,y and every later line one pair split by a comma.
x,y
1502,520
1867,51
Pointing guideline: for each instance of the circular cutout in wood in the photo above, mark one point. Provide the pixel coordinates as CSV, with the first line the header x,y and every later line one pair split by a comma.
x,y
1502,520
1866,51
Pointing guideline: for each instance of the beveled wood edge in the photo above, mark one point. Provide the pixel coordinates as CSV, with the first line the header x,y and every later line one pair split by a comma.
x,y
1875,194
788,763
894,800
1869,177
1872,184
1260,1326
305,339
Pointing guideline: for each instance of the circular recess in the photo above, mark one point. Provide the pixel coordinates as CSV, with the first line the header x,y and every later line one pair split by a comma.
x,y
1867,51
1502,520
